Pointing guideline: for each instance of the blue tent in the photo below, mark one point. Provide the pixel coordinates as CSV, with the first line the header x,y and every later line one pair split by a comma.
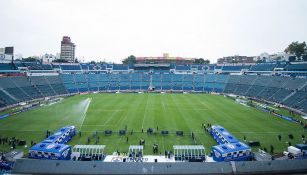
x,y
221,135
50,151
61,136
231,152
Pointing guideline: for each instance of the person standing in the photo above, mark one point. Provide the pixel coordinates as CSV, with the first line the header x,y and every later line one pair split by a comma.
x,y
88,140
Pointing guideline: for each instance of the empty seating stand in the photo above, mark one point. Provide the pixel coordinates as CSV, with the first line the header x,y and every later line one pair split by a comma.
x,y
7,66
297,67
85,77
263,67
42,85
23,83
16,89
56,84
12,90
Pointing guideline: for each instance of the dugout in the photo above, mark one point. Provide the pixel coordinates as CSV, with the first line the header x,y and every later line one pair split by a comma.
x,y
231,152
191,153
88,152
136,151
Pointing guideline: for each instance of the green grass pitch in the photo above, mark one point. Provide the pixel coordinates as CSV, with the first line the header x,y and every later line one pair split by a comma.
x,y
172,112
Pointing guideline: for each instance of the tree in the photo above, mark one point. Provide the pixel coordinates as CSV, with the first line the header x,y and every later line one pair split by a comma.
x,y
101,62
296,48
130,60
201,61
304,57
291,58
98,62
30,59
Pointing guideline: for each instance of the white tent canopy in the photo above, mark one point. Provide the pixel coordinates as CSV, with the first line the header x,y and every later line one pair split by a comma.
x,y
186,152
88,150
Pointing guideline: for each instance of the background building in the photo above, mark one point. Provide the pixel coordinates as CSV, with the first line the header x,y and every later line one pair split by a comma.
x,y
18,56
67,49
165,59
48,58
2,56
279,56
7,53
235,59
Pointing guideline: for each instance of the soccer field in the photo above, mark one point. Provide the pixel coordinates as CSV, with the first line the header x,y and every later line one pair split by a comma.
x,y
172,112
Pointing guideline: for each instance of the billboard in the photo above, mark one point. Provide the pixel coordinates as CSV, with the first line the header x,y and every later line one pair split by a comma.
x,y
9,50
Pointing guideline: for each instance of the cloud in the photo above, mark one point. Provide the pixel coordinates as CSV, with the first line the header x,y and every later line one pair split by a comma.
x,y
114,29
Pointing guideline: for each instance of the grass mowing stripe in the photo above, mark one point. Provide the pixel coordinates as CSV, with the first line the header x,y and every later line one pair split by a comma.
x,y
170,112
144,116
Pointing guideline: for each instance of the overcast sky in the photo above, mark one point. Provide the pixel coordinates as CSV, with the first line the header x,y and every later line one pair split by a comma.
x,y
115,29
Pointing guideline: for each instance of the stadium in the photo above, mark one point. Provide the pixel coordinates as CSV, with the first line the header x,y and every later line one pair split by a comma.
x,y
156,111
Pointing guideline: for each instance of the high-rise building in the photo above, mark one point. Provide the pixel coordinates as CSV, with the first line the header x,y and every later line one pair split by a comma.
x,y
67,49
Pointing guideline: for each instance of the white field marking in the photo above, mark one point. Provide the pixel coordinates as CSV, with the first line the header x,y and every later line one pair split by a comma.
x,y
163,142
121,119
108,110
170,107
84,112
199,139
163,105
193,109
121,142
145,111
187,109
110,117
205,105
99,125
